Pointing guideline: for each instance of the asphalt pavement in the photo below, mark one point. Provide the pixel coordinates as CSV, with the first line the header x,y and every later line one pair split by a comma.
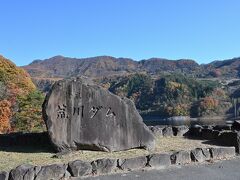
x,y
221,170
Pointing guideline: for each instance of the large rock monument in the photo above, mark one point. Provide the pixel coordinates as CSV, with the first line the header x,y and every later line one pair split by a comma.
x,y
82,115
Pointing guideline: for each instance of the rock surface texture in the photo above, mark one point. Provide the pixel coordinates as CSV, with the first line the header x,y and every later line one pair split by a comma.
x,y
82,115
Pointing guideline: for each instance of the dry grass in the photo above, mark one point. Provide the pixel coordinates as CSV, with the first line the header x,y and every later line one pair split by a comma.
x,y
10,158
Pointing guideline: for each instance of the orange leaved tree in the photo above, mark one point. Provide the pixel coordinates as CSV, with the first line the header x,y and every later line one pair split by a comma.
x,y
5,115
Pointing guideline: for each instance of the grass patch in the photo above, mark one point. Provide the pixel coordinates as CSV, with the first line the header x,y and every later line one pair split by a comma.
x,y
13,156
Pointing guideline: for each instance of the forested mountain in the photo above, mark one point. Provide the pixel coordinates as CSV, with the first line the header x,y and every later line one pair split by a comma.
x,y
173,95
157,86
102,66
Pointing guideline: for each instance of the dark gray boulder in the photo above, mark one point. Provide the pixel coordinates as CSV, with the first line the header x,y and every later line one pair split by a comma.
x,y
24,172
104,166
236,125
54,171
195,131
180,157
200,155
79,168
167,131
180,130
210,134
222,152
132,163
230,139
222,127
159,160
82,115
207,126
3,175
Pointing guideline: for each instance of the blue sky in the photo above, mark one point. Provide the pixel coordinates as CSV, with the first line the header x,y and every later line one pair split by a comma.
x,y
203,30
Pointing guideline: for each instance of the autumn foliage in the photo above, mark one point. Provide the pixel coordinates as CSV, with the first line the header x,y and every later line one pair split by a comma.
x,y
209,103
15,84
216,73
177,110
5,115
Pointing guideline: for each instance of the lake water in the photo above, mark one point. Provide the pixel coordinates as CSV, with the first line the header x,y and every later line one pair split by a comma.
x,y
177,121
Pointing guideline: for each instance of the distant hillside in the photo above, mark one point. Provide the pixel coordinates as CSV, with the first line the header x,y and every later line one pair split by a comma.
x,y
227,68
18,98
103,66
157,65
59,66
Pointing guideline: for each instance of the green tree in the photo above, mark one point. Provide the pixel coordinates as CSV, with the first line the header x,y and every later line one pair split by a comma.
x,y
29,115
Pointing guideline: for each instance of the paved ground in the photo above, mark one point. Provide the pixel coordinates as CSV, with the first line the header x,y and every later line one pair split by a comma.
x,y
224,170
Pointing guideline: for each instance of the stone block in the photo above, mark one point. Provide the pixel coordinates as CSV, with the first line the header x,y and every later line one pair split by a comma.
x,y
24,172
222,152
167,131
132,163
207,126
181,157
79,168
104,166
230,139
54,171
195,131
159,160
179,130
4,175
200,155
236,125
210,134
222,127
